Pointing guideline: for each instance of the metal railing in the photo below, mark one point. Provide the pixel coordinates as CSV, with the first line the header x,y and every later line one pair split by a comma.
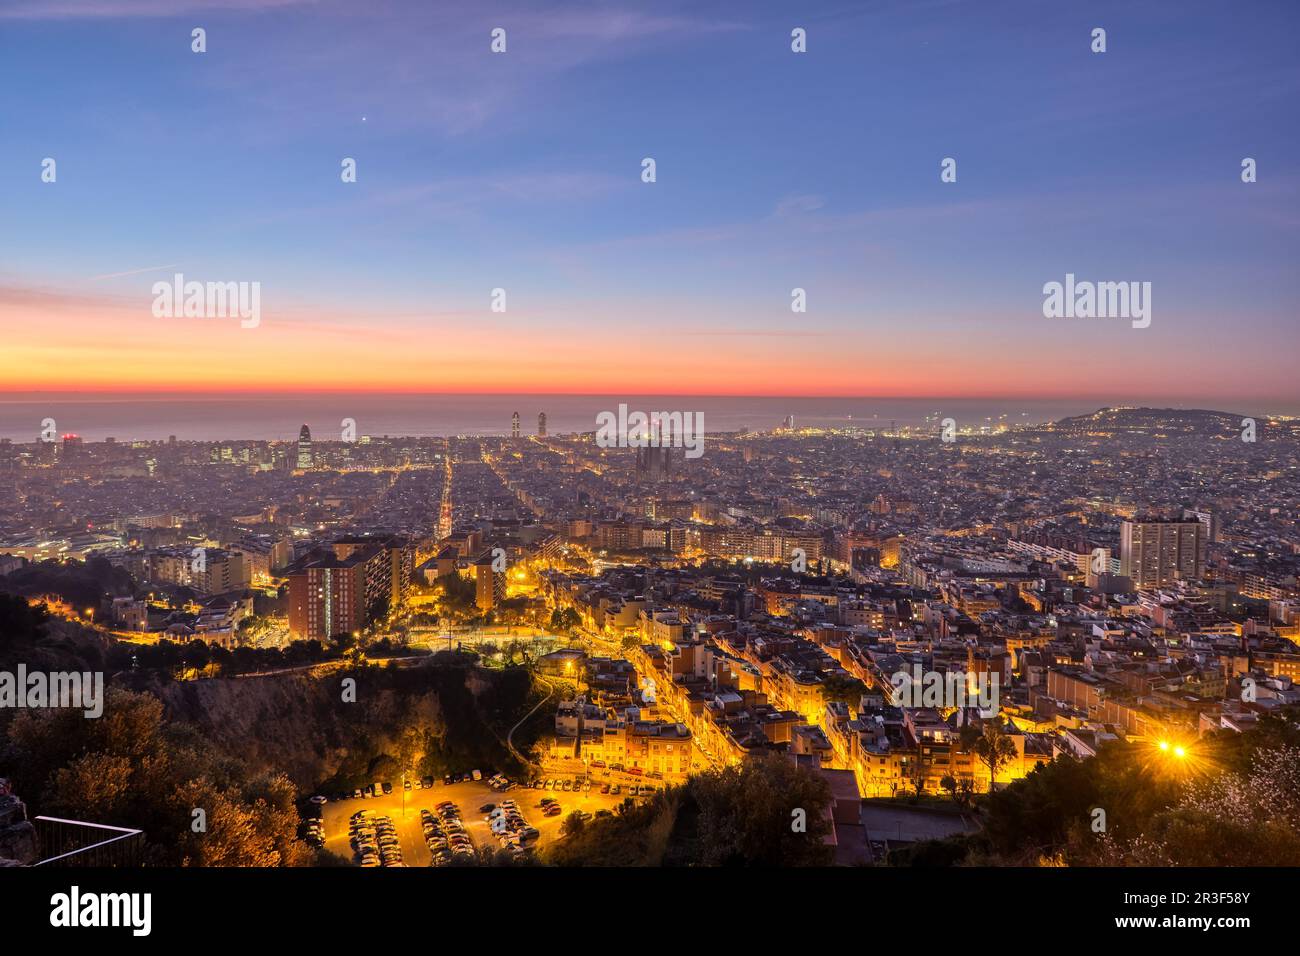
x,y
77,843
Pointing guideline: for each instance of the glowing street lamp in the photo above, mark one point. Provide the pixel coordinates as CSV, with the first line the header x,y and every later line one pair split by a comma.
x,y
1174,750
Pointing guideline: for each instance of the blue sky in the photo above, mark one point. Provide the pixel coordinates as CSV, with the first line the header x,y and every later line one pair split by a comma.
x,y
775,170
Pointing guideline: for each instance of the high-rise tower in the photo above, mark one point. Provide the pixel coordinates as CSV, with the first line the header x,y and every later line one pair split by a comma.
x,y
304,448
1155,552
514,425
541,424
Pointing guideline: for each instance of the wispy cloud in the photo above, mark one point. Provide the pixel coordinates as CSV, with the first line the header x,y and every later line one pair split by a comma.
x,y
134,272
109,9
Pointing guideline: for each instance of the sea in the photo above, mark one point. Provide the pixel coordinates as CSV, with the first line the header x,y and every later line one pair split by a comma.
x,y
270,417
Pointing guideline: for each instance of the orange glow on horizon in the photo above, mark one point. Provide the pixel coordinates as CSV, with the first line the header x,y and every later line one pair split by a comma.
x,y
68,343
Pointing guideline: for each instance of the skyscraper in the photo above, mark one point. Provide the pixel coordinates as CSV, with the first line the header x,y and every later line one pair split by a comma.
x,y
514,425
541,424
304,448
1155,552
71,447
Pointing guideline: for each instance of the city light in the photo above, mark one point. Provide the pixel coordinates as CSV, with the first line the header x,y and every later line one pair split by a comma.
x,y
330,550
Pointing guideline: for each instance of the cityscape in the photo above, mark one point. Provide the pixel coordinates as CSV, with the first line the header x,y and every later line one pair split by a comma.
x,y
1112,586
519,442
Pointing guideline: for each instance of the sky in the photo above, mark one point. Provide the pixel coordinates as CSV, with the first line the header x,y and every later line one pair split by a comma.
x,y
775,170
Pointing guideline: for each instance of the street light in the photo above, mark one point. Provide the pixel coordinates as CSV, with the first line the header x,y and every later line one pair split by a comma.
x,y
1173,750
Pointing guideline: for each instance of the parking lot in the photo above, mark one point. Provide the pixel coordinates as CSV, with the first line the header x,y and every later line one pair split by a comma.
x,y
403,807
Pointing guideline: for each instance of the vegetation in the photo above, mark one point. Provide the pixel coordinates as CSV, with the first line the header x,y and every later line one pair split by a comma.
x,y
565,620
848,690
79,584
991,744
743,815
457,593
1233,801
132,768
242,751
29,635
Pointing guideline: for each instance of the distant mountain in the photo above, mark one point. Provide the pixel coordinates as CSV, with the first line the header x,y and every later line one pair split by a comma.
x,y
1171,419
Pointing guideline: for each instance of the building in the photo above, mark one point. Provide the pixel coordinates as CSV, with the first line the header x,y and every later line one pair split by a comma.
x,y
654,462
514,425
489,584
1156,552
604,741
541,424
304,448
327,598
265,555
221,572
208,570
342,591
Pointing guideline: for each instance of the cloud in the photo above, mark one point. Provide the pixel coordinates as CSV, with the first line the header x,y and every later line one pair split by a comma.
x,y
134,272
113,9
794,205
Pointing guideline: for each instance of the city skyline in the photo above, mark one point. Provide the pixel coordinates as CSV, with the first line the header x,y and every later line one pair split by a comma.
x,y
597,438
775,171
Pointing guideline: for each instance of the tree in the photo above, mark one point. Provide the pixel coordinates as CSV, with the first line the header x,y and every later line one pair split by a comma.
x,y
1230,819
993,746
377,612
949,783
842,688
564,620
747,812
573,825
196,654
133,768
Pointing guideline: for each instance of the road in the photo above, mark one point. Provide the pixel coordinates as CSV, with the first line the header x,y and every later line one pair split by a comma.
x,y
510,737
